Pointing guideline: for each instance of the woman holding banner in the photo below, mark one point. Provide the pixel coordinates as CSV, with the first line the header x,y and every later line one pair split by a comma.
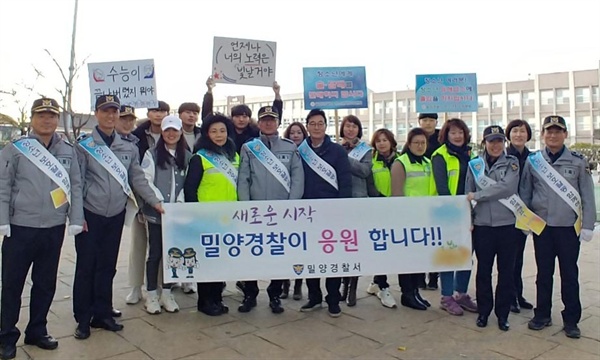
x,y
360,156
211,178
449,164
165,167
492,178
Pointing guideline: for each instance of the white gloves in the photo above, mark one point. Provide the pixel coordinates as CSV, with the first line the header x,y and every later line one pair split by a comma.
x,y
73,230
586,235
5,230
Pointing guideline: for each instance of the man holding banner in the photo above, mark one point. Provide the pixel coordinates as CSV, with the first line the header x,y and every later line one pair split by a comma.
x,y
109,163
40,186
270,169
556,185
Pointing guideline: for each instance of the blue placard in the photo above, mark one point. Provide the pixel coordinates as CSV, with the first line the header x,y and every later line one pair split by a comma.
x,y
446,93
335,88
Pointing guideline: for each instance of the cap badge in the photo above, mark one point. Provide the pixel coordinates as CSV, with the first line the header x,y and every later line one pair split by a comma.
x,y
110,98
46,102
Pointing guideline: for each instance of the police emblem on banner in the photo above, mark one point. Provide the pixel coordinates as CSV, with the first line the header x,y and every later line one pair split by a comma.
x,y
298,269
478,166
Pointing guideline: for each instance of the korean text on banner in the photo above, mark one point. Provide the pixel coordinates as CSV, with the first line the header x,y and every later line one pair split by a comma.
x,y
244,62
446,93
134,82
335,88
290,239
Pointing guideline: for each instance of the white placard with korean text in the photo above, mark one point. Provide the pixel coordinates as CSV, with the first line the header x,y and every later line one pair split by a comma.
x,y
289,239
134,82
243,61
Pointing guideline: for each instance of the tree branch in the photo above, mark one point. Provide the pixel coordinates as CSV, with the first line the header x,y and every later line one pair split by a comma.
x,y
62,73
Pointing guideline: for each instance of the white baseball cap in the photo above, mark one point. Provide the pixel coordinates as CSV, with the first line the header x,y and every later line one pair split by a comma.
x,y
172,122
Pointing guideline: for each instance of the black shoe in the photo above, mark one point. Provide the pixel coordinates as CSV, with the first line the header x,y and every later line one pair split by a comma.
x,y
297,290
503,324
8,351
275,305
353,283
345,287
515,308
224,308
525,304
211,310
539,324
107,324
311,305
412,302
572,331
431,286
482,321
247,304
285,292
421,300
82,332
45,342
334,310
116,313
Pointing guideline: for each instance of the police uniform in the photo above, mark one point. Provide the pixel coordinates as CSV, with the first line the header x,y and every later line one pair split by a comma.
x,y
104,203
559,238
33,217
494,232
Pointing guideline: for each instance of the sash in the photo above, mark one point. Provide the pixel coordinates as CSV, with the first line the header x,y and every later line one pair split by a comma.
x,y
559,184
109,161
318,165
526,219
359,151
270,162
222,164
37,153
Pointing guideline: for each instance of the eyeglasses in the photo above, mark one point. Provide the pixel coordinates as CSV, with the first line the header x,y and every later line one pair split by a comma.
x,y
418,143
317,125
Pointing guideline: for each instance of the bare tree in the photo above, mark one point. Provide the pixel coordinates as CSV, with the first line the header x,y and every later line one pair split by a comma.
x,y
22,101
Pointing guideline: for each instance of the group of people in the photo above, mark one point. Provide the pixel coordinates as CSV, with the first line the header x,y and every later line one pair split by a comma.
x,y
116,170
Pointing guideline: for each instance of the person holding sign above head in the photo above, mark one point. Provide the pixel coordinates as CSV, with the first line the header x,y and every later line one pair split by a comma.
x,y
557,186
360,157
109,164
492,183
327,175
449,164
212,176
165,166
270,169
40,187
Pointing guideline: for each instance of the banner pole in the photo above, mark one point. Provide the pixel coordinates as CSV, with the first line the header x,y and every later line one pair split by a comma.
x,y
337,126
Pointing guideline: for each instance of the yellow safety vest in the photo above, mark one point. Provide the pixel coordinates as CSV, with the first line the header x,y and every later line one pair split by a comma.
x,y
382,176
452,168
215,186
418,176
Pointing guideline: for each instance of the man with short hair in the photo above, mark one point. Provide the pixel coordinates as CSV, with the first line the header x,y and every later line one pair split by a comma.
x,y
40,187
188,113
149,131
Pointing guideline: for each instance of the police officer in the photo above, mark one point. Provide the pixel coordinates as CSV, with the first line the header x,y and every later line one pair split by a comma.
x,y
40,187
557,186
109,163
257,180
493,176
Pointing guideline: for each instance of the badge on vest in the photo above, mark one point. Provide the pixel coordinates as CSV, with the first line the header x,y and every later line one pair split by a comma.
x,y
66,162
284,157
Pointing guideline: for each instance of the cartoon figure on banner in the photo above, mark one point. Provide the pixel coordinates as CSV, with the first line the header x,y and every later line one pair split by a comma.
x,y
148,71
175,261
190,261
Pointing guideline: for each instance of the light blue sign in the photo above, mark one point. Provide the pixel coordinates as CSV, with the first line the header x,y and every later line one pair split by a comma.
x,y
335,88
446,93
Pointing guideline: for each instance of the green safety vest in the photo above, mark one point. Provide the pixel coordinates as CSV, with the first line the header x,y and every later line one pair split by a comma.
x,y
452,168
382,176
215,186
418,176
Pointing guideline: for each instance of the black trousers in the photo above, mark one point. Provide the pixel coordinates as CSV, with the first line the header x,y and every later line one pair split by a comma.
x,y
561,242
274,289
155,252
500,243
209,293
96,266
333,290
408,282
27,246
518,273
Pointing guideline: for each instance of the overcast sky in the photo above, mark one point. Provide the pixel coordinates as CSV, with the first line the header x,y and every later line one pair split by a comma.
x,y
500,40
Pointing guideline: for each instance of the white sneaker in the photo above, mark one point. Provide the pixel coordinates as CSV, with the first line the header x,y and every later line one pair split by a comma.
x,y
387,299
373,289
152,305
134,296
168,301
189,288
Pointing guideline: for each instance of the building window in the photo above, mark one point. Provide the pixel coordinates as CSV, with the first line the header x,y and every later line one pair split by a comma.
x,y
596,122
389,107
412,105
378,108
562,96
528,98
497,121
583,123
514,100
497,101
595,94
401,105
582,95
388,125
547,97
481,125
483,101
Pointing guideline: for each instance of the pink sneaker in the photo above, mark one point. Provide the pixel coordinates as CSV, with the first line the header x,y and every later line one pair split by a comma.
x,y
449,304
465,302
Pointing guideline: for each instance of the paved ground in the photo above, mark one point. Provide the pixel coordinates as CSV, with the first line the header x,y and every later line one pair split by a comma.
x,y
367,331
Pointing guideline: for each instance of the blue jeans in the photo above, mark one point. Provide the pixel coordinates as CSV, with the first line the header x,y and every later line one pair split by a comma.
x,y
455,280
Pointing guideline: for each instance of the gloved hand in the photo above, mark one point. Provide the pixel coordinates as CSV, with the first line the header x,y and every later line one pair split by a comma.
x,y
73,230
5,230
586,235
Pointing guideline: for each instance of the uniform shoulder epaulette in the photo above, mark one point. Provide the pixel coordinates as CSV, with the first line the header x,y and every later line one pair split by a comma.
x,y
126,138
66,141
576,154
288,140
21,137
512,158
82,136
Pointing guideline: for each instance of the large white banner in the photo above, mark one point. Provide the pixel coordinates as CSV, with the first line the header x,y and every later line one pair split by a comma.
x,y
134,82
291,239
243,61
